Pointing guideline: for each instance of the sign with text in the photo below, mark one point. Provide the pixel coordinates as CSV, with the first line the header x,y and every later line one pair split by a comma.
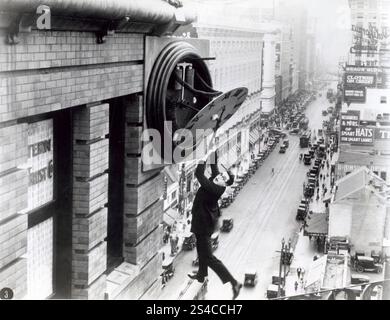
x,y
40,161
353,68
355,94
353,79
352,132
382,134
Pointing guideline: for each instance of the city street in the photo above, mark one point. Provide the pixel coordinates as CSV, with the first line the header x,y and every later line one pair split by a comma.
x,y
264,213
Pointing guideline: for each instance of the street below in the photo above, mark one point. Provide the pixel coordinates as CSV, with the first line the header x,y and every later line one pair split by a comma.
x,y
264,212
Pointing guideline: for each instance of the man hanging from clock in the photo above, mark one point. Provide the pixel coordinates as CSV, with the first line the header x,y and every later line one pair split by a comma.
x,y
205,214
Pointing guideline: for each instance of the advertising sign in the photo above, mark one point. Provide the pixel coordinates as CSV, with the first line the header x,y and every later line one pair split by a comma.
x,y
353,68
355,94
40,161
382,134
352,132
353,80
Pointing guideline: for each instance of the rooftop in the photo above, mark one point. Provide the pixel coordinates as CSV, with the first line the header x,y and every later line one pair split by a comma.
x,y
358,180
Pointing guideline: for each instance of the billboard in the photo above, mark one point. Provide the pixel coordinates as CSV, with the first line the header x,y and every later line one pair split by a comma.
x,y
355,94
353,80
352,132
382,133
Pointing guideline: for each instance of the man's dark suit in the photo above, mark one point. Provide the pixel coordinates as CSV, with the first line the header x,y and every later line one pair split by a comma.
x,y
205,214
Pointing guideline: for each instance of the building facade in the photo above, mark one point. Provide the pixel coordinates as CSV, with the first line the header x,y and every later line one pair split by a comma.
x,y
79,218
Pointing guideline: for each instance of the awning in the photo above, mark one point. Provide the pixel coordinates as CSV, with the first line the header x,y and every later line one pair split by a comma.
x,y
170,216
317,225
315,275
254,136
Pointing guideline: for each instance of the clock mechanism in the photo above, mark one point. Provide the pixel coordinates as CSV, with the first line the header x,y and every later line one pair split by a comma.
x,y
180,94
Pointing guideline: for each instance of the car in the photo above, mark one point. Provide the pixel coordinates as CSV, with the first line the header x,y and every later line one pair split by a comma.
x,y
286,143
282,149
324,112
307,159
272,291
189,241
359,279
301,212
214,241
227,224
250,279
366,264
330,109
168,270
294,131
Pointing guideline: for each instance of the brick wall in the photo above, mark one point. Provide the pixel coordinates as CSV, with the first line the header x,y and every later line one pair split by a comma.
x,y
52,70
14,276
90,196
13,199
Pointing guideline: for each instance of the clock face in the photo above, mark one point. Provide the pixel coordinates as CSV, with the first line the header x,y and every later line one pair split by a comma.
x,y
224,106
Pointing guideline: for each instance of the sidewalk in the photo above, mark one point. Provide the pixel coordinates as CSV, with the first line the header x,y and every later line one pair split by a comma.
x,y
302,258
182,228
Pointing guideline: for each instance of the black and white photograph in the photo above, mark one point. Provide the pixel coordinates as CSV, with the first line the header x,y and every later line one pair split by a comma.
x,y
217,151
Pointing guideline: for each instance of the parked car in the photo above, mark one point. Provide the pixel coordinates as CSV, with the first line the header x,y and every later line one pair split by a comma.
x,y
366,264
282,149
324,112
227,224
250,279
189,241
214,241
301,212
359,279
307,159
168,270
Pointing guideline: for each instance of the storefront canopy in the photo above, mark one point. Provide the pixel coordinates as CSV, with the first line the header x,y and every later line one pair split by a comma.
x,y
170,216
254,136
317,225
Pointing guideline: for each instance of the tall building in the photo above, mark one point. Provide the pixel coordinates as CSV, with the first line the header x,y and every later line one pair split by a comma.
x,y
294,49
370,36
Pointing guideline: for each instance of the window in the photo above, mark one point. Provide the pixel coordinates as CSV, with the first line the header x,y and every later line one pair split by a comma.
x,y
383,99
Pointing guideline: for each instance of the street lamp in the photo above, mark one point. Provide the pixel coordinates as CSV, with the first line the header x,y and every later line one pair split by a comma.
x,y
280,268
285,257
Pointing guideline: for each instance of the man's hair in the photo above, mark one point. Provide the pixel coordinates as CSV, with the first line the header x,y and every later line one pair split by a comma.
x,y
231,179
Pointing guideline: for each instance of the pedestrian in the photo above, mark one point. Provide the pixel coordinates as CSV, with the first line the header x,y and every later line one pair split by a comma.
x,y
296,286
299,272
171,242
273,171
205,215
320,176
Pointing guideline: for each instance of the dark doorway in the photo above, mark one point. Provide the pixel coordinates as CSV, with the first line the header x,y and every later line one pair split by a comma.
x,y
115,184
63,150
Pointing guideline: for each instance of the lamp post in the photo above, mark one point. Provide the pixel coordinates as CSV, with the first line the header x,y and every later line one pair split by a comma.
x,y
286,260
280,268
285,256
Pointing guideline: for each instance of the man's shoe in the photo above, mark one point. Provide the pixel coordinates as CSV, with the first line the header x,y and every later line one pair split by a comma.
x,y
236,290
194,276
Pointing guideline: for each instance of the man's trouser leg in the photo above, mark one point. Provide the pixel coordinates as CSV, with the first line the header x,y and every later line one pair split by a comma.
x,y
207,259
